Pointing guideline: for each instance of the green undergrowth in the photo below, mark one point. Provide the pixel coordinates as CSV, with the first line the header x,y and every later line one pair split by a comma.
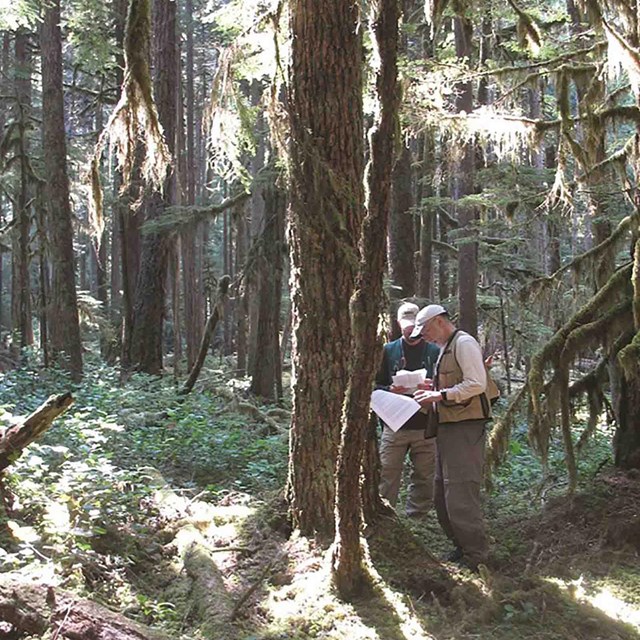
x,y
99,504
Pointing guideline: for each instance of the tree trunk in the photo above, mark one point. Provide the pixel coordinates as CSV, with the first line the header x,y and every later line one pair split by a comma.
x,y
325,104
241,305
267,352
149,305
43,274
119,11
425,270
467,215
401,245
349,567
21,285
64,326
207,334
5,86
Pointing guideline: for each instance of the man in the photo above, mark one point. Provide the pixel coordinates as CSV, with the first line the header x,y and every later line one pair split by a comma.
x,y
463,410
410,354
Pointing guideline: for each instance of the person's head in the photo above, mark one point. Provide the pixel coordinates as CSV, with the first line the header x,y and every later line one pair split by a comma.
x,y
406,317
433,324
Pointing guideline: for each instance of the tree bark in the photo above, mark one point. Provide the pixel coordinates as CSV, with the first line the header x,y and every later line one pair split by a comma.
x,y
467,215
240,306
425,270
266,370
21,285
401,244
325,108
40,609
149,305
349,566
64,326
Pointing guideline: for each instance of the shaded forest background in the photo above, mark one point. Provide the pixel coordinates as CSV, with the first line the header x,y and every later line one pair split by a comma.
x,y
208,214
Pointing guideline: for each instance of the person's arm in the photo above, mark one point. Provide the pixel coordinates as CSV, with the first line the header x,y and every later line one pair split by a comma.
x,y
474,376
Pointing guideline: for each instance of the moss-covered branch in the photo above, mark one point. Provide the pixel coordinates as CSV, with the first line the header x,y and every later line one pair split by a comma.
x,y
585,326
607,246
134,120
177,217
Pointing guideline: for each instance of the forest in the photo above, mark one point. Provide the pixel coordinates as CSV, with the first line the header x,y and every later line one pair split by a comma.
x,y
210,215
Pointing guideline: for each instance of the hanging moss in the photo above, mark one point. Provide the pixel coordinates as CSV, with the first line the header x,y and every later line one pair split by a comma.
x,y
498,439
588,325
134,120
607,247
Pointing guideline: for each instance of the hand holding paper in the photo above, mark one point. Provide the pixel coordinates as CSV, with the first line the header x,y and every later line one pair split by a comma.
x,y
409,379
393,409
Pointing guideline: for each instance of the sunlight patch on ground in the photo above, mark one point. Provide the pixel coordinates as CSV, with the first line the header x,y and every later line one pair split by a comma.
x,y
409,624
603,600
309,605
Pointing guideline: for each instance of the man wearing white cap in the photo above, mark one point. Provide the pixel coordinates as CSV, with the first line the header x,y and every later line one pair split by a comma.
x,y
410,354
459,386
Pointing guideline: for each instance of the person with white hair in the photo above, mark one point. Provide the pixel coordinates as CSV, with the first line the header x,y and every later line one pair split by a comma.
x,y
463,408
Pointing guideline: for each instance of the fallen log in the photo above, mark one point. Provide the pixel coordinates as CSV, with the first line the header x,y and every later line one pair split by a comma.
x,y
19,436
36,609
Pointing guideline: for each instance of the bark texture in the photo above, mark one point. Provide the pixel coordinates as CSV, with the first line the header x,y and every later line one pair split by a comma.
x,y
21,286
149,304
349,566
401,244
467,248
64,326
39,609
325,106
266,369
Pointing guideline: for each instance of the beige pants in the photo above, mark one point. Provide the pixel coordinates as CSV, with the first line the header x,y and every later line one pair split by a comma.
x,y
458,479
394,447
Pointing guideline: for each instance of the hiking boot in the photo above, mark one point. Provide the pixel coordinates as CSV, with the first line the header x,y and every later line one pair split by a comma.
x,y
454,556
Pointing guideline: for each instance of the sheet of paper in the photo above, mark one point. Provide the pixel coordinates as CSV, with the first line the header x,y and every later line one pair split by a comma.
x,y
409,379
392,408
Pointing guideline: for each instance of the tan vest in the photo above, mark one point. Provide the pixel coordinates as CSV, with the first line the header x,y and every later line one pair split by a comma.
x,y
448,373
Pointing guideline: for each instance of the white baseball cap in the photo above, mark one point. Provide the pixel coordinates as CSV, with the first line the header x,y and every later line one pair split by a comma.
x,y
424,315
406,315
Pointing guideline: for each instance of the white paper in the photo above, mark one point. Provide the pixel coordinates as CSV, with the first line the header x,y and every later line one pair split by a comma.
x,y
394,409
409,379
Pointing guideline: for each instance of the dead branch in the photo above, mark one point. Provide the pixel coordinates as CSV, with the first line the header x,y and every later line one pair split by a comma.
x,y
16,438
210,327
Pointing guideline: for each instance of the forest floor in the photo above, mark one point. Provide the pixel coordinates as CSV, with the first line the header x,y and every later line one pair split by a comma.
x,y
169,511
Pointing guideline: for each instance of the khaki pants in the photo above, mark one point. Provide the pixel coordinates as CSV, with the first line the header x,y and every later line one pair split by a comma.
x,y
393,451
458,479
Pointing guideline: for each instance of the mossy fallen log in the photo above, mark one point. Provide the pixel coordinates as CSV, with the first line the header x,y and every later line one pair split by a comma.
x,y
16,438
36,609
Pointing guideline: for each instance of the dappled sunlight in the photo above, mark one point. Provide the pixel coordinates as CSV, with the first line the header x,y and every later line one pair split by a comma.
x,y
309,604
601,598
409,623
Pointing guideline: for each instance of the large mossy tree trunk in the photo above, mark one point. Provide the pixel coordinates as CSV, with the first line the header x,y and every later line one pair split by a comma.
x,y
349,558
149,301
64,325
325,108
